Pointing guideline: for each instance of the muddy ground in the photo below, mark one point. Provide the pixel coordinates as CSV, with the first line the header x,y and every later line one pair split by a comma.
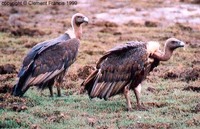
x,y
111,23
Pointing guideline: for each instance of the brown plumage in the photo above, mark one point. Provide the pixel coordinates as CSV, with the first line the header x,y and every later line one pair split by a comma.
x,y
48,61
125,67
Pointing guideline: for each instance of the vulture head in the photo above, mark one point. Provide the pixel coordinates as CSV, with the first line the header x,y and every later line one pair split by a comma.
x,y
77,21
170,45
173,43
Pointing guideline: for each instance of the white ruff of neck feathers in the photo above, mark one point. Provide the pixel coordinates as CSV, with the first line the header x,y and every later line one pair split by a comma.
x,y
72,22
71,33
152,47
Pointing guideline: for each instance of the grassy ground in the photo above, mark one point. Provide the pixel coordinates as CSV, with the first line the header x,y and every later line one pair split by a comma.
x,y
171,91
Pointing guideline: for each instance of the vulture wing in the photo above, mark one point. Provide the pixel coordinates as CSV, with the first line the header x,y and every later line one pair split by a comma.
x,y
38,49
121,48
48,63
118,68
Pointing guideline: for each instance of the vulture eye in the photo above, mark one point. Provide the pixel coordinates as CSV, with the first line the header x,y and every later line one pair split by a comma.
x,y
173,42
79,17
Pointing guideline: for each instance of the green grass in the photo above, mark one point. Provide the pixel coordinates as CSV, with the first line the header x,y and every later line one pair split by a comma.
x,y
74,111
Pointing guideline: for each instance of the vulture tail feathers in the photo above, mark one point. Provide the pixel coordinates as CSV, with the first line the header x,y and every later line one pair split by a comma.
x,y
89,82
25,73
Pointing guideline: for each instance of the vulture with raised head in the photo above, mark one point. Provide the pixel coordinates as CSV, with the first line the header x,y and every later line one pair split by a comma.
x,y
47,62
125,67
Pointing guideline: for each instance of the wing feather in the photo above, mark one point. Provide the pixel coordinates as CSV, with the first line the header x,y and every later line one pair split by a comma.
x,y
110,90
105,89
99,87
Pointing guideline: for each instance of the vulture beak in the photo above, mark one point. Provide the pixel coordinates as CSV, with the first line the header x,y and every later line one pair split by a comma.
x,y
182,44
86,20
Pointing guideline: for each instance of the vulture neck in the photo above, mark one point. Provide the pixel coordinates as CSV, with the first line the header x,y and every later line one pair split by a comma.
x,y
163,56
77,31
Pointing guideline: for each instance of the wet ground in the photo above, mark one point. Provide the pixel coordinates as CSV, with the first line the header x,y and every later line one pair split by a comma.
x,y
168,15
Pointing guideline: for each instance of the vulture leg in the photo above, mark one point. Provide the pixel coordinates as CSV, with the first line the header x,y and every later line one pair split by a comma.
x,y
58,89
49,84
58,82
137,92
128,101
51,90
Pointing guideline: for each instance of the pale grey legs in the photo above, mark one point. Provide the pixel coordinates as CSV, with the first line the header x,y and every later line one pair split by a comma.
x,y
137,92
128,101
58,89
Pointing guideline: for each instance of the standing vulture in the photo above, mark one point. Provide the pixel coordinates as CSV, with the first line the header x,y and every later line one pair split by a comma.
x,y
125,67
48,61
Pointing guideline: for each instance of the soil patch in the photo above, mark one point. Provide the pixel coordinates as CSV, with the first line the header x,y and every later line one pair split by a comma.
x,y
192,88
171,75
150,24
188,74
6,88
8,101
84,72
191,74
7,69
157,105
151,89
105,24
197,108
155,126
26,31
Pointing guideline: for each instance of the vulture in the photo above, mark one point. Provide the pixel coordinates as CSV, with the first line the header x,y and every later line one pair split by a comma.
x,y
47,62
124,67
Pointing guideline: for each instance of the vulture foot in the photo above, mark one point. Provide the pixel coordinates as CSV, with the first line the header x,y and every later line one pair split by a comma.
x,y
58,89
59,94
51,95
129,109
141,107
